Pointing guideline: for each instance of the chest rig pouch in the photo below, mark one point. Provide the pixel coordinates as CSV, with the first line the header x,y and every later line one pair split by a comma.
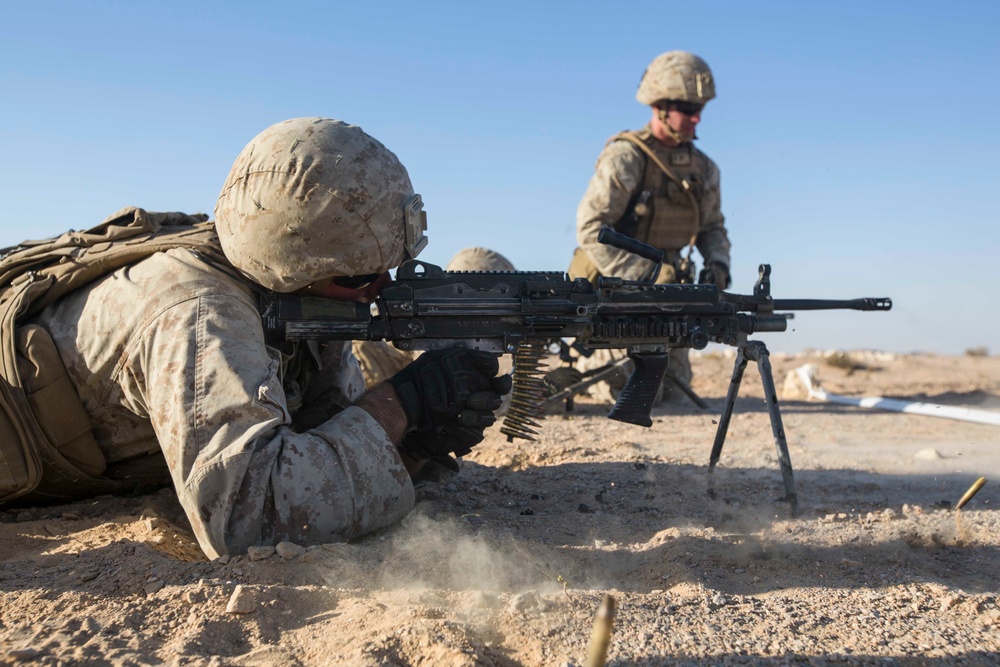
x,y
665,212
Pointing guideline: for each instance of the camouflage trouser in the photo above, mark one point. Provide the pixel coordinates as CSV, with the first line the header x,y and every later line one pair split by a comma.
x,y
608,390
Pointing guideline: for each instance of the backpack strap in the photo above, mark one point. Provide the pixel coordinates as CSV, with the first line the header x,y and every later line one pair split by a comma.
x,y
52,461
685,187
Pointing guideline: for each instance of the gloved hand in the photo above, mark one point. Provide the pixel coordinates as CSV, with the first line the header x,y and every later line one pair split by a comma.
x,y
449,397
453,438
715,273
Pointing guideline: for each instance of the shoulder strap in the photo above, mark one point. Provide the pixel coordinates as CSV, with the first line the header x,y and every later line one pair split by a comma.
x,y
34,275
634,139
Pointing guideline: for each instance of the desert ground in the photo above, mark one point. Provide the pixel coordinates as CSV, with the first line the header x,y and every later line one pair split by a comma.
x,y
507,563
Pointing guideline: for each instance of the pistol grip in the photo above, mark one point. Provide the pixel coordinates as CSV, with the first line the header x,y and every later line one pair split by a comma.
x,y
637,397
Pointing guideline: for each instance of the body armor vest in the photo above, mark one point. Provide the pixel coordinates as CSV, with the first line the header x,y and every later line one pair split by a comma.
x,y
47,448
665,212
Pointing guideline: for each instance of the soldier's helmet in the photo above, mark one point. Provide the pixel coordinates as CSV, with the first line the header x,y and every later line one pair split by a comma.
x,y
316,198
479,259
676,75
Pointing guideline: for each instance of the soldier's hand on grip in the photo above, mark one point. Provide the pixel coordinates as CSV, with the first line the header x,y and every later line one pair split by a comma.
x,y
450,387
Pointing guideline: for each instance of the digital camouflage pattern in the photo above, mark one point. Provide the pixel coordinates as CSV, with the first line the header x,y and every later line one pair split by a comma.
x,y
313,198
168,358
622,170
676,75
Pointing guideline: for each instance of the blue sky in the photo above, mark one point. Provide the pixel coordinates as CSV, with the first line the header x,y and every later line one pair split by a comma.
x,y
857,141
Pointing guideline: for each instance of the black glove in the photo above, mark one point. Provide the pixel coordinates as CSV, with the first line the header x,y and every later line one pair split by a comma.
x,y
715,273
449,397
454,439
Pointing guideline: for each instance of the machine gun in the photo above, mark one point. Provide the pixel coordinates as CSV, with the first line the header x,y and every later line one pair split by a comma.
x,y
523,312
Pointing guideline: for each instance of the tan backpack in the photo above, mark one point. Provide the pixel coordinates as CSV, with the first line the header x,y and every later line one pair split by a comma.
x,y
43,460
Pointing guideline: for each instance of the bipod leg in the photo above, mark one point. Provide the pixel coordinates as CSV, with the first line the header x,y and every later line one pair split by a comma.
x,y
757,351
727,413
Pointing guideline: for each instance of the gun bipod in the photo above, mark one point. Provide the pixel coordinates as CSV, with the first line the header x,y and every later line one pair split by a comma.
x,y
757,352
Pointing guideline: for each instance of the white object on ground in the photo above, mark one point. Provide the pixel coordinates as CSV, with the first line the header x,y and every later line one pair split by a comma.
x,y
807,375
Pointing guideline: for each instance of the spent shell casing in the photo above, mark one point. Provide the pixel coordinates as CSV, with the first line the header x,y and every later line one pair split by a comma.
x,y
600,639
973,490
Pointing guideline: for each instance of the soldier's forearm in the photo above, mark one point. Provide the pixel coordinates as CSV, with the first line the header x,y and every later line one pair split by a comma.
x,y
383,405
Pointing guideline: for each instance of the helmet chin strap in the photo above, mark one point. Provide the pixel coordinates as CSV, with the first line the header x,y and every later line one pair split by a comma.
x,y
676,135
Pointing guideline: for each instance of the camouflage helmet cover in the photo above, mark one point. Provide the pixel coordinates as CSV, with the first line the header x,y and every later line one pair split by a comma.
x,y
313,198
676,75
479,259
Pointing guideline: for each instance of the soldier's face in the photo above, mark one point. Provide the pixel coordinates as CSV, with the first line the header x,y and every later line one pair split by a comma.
x,y
675,122
363,289
682,117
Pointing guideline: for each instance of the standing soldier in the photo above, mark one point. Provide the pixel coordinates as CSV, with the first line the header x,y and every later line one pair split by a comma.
x,y
655,185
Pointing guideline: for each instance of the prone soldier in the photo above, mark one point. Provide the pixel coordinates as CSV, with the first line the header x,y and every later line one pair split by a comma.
x,y
167,361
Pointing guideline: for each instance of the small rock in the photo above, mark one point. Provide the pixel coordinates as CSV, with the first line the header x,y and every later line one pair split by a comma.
x,y
850,563
523,602
152,523
22,654
929,454
950,601
289,550
718,600
242,601
260,553
194,596
223,559
153,586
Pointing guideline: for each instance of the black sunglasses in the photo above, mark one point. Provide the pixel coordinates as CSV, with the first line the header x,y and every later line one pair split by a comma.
x,y
686,108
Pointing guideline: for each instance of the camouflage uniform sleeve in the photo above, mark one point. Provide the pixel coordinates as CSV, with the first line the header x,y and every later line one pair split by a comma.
x,y
214,395
713,240
617,176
